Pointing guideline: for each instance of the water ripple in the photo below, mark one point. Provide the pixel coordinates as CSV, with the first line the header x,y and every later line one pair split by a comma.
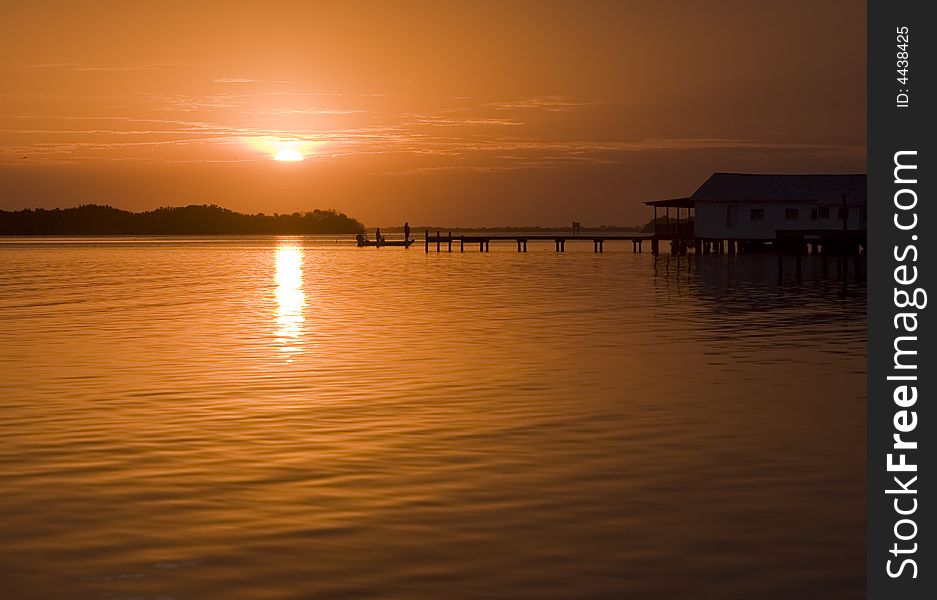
x,y
295,417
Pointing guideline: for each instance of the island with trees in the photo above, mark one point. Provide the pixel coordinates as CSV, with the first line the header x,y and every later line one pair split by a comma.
x,y
92,219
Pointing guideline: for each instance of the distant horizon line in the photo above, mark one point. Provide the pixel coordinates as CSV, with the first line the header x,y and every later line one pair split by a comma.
x,y
393,228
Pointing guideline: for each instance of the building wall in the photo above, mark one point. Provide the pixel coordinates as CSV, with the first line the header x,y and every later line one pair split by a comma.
x,y
712,220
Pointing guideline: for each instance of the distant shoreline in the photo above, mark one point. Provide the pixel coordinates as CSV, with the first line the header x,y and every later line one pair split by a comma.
x,y
96,220
210,220
417,230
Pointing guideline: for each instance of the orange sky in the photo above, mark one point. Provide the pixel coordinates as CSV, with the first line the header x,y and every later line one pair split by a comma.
x,y
489,113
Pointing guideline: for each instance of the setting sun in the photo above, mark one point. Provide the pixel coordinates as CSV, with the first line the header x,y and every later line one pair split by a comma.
x,y
290,149
288,155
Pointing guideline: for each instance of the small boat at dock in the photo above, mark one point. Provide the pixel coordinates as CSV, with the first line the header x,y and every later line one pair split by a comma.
x,y
363,242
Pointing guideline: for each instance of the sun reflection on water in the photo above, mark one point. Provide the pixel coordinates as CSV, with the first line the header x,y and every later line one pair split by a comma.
x,y
290,297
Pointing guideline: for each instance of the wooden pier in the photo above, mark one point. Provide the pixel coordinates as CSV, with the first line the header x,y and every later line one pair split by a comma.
x,y
786,242
559,240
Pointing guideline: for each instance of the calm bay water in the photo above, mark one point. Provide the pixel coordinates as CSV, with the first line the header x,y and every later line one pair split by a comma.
x,y
254,418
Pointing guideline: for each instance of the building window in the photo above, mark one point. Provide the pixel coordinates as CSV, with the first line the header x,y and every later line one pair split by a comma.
x,y
732,215
791,214
758,214
824,212
813,214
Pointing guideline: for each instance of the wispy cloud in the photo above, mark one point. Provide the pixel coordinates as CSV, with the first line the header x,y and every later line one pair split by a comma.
x,y
126,68
440,121
419,134
91,68
307,111
544,103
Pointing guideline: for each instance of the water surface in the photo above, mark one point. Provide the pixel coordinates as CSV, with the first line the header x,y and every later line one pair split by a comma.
x,y
254,418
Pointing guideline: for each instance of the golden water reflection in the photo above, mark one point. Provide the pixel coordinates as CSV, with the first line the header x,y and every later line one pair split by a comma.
x,y
278,418
290,298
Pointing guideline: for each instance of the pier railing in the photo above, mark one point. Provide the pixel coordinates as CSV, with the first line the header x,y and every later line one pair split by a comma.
x,y
674,229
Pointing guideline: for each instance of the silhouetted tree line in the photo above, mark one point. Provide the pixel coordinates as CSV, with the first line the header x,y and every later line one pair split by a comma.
x,y
92,219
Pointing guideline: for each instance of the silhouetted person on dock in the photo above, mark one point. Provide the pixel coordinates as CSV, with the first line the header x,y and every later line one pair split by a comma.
x,y
377,235
406,231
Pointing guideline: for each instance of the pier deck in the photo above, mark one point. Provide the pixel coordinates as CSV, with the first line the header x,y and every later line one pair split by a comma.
x,y
559,239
